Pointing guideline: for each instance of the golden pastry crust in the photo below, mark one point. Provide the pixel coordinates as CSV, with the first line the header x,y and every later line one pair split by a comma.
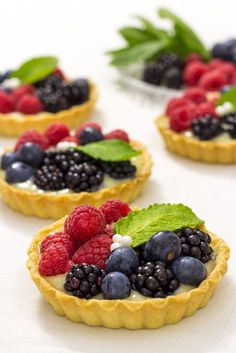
x,y
150,313
50,205
205,151
11,125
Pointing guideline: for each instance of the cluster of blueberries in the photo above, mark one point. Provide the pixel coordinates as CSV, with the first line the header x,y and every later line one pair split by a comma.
x,y
225,50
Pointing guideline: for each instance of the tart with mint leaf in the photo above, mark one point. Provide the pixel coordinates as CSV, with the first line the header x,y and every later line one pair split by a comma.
x,y
116,267
37,94
201,125
47,175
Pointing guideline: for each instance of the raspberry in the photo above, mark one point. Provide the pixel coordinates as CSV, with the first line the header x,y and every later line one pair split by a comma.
x,y
215,64
56,132
195,94
84,125
193,72
114,210
70,139
117,134
32,136
54,261
58,72
192,58
19,92
84,223
94,252
6,103
174,103
181,118
29,104
206,108
109,230
228,70
58,238
213,80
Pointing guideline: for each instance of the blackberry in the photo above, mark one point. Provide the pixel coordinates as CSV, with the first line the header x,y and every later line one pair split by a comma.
x,y
169,60
195,243
172,78
153,73
78,91
84,281
49,178
229,124
51,81
154,279
206,127
119,170
84,177
53,102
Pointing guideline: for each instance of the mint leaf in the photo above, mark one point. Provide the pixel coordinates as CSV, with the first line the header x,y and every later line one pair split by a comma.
x,y
36,69
229,96
109,150
141,225
152,29
134,35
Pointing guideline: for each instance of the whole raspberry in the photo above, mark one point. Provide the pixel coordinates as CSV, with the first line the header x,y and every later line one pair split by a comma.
x,y
29,104
59,238
58,72
193,72
94,252
114,210
54,261
206,108
6,103
195,94
70,139
213,80
56,132
174,103
117,134
21,91
32,136
181,118
84,223
84,125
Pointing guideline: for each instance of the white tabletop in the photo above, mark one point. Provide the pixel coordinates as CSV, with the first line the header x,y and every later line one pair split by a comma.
x,y
79,32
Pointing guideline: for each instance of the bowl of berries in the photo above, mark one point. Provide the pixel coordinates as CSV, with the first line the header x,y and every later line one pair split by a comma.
x,y
117,267
37,94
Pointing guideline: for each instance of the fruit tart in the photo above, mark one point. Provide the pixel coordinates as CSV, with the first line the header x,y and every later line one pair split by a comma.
x,y
37,94
47,175
116,267
201,125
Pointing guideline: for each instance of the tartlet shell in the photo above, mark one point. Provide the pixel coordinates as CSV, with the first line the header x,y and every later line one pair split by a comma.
x,y
205,151
11,125
151,313
49,205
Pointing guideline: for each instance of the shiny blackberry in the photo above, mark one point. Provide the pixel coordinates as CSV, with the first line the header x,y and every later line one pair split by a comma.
x,y
172,78
195,243
206,127
49,178
229,124
65,160
169,60
119,170
84,281
153,73
78,91
154,279
84,177
52,81
54,101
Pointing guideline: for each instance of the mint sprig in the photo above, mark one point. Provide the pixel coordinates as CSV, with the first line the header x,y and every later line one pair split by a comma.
x,y
229,96
109,150
141,225
35,69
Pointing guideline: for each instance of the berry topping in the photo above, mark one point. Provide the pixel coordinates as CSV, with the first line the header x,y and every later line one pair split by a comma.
x,y
116,285
78,91
84,223
54,261
18,172
114,210
70,139
119,170
181,118
195,94
7,159
175,103
84,281
206,127
189,270
21,91
49,178
153,73
29,104
118,134
124,259
172,78
94,252
58,238
31,153
193,72
32,136
163,246
58,72
229,123
206,108
6,103
88,135
91,124
84,177
213,80
56,132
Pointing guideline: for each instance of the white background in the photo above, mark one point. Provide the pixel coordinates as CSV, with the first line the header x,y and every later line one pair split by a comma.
x,y
79,32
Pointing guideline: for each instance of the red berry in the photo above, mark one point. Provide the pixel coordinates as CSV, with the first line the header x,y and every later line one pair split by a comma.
x,y
94,252
114,210
193,57
54,261
174,103
181,118
29,104
206,108
213,80
228,70
6,103
22,90
195,94
117,134
233,78
58,72
32,136
84,125
215,64
70,139
84,223
56,132
193,72
59,238
109,230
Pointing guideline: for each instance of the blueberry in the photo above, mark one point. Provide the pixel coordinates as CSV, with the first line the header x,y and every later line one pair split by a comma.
x,y
124,259
31,153
225,88
189,270
116,285
219,50
4,76
8,159
18,172
163,246
90,134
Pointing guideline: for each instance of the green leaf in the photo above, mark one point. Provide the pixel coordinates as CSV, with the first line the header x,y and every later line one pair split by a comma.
x,y
190,38
152,29
229,96
36,69
141,225
109,150
134,35
139,53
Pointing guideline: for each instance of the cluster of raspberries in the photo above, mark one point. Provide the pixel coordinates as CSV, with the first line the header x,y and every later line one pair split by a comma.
x,y
86,238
